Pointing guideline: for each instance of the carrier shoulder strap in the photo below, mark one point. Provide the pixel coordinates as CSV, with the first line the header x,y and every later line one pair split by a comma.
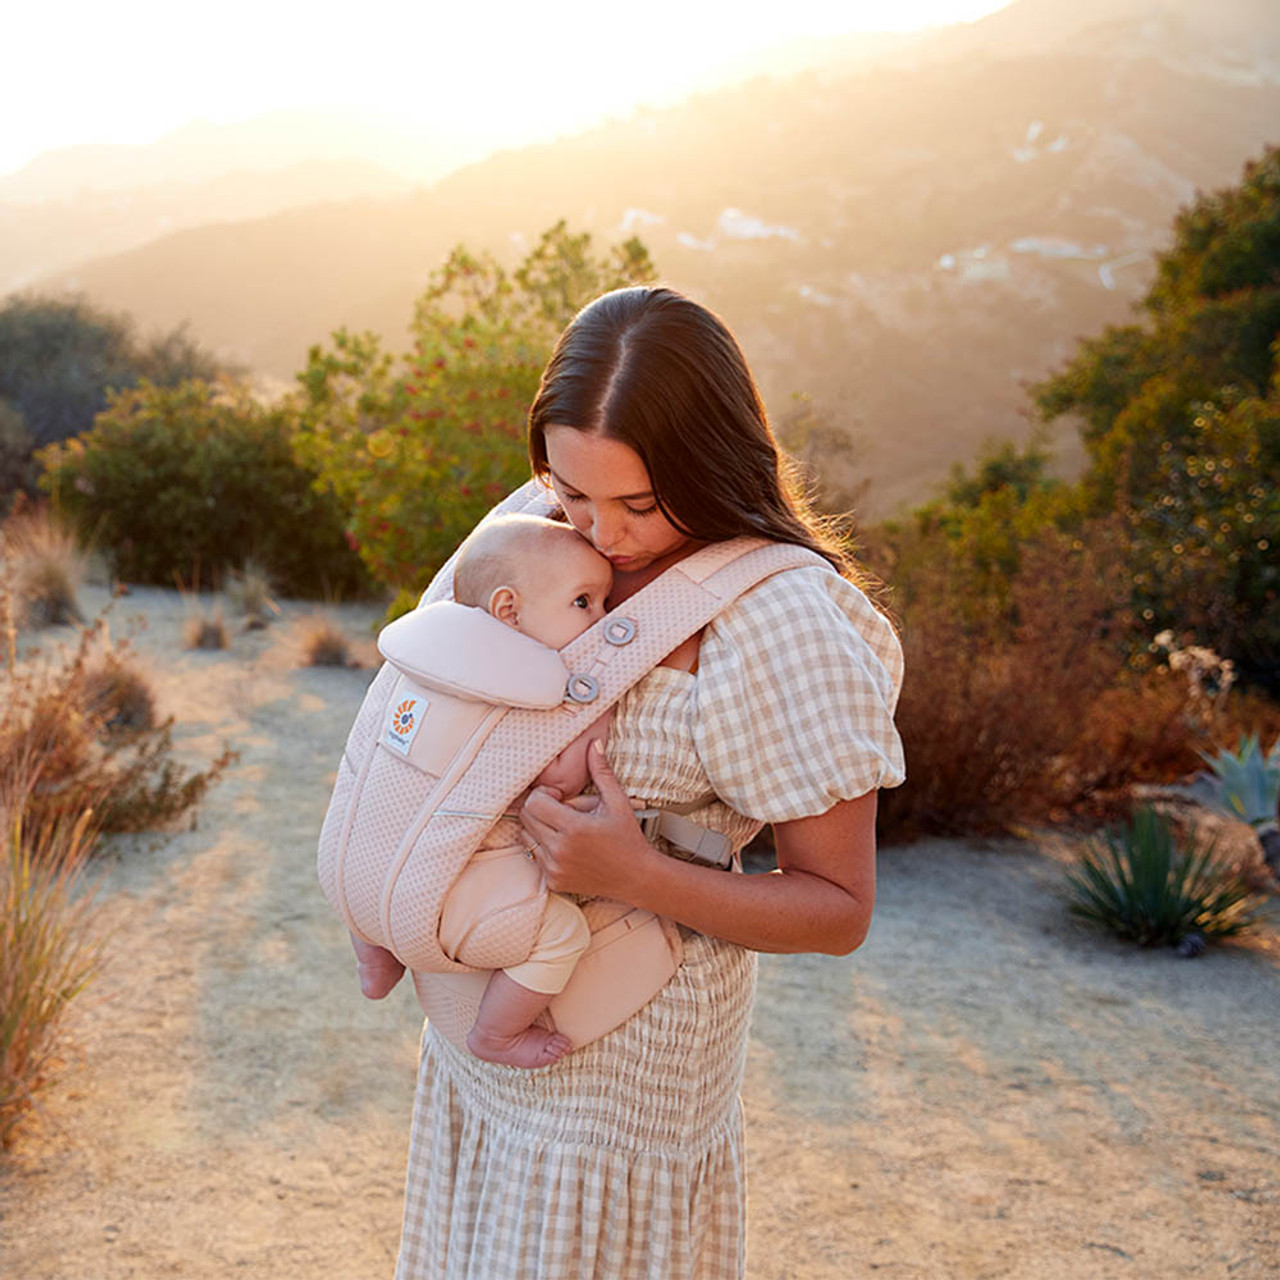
x,y
604,662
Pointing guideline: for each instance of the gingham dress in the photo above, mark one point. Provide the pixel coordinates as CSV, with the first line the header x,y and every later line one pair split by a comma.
x,y
625,1160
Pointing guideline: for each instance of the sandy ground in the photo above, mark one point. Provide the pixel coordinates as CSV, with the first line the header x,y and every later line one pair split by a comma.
x,y
986,1089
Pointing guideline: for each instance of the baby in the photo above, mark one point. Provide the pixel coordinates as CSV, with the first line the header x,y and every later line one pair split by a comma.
x,y
549,583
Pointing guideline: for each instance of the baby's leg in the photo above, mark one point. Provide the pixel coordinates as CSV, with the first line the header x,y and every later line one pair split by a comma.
x,y
379,969
504,1030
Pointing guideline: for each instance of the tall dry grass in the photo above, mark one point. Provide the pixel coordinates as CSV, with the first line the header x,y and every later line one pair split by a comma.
x,y
80,754
45,568
50,946
250,591
80,723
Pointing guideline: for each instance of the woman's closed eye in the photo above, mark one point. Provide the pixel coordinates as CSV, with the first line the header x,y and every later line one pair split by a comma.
x,y
635,511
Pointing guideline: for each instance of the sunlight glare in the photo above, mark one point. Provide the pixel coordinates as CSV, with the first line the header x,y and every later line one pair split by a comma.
x,y
504,72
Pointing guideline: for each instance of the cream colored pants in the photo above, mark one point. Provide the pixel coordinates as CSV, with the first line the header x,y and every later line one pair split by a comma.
x,y
494,880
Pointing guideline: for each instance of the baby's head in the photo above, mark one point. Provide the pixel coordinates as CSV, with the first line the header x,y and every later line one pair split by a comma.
x,y
536,575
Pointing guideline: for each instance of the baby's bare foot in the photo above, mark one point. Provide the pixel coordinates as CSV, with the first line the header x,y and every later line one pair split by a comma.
x,y
533,1047
378,976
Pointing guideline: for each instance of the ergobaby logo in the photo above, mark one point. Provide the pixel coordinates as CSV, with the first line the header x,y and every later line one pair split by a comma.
x,y
406,720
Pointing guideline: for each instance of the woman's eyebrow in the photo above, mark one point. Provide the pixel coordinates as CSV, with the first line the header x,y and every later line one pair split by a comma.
x,y
622,497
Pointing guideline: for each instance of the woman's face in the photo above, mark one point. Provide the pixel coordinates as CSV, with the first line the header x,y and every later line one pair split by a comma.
x,y
606,492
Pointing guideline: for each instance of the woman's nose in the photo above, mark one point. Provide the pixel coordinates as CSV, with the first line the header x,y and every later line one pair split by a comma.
x,y
604,531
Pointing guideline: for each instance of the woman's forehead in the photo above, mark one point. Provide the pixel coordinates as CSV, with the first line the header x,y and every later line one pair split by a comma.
x,y
595,465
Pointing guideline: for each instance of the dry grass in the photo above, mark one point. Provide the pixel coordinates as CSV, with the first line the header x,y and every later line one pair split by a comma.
x,y
205,630
250,592
49,947
118,695
322,644
205,627
46,568
80,753
74,723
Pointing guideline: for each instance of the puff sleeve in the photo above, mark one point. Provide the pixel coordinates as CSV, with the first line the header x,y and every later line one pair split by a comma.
x,y
797,684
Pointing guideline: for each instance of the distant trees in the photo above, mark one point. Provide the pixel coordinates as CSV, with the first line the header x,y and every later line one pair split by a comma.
x,y
197,479
59,359
1181,419
1180,416
370,473
417,448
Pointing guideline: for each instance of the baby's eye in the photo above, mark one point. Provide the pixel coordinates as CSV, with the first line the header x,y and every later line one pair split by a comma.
x,y
582,602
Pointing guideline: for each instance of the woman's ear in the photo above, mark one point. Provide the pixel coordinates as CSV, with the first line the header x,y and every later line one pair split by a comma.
x,y
504,604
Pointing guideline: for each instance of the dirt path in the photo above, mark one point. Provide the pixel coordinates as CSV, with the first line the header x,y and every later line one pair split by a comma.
x,y
985,1090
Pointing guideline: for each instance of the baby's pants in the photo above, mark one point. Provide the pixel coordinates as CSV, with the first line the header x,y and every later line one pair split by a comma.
x,y
496,879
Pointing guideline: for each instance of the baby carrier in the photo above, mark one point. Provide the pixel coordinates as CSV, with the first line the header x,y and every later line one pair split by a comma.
x,y
461,718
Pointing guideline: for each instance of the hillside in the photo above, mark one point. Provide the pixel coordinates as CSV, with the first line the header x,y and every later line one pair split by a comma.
x,y
909,243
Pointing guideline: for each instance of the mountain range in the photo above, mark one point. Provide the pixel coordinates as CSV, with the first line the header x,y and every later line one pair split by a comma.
x,y
908,238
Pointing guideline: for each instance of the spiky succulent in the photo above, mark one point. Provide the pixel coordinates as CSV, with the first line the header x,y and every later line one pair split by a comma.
x,y
1141,883
1245,784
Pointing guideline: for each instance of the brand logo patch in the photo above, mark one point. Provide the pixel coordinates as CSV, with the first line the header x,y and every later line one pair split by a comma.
x,y
406,720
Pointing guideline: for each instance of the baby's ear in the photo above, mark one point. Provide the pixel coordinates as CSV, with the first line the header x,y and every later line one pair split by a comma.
x,y
504,604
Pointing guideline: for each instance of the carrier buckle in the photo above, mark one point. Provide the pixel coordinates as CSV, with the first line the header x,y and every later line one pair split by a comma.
x,y
582,688
620,631
684,839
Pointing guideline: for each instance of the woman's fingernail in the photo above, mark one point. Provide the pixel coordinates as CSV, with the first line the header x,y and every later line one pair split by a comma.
x,y
596,747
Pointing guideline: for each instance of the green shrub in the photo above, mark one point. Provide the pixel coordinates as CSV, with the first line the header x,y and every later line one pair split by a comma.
x,y
60,357
17,466
1144,885
197,479
417,449
1181,420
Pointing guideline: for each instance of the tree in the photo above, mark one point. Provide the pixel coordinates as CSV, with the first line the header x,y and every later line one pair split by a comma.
x,y
1179,418
197,479
417,448
60,357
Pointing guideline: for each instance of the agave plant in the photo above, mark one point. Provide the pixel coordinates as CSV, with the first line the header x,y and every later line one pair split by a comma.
x,y
1245,784
1141,883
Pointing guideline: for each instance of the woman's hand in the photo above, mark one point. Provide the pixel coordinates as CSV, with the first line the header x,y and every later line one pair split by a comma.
x,y
589,844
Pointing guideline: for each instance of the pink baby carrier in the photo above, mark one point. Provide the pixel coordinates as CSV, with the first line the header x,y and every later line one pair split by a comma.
x,y
461,718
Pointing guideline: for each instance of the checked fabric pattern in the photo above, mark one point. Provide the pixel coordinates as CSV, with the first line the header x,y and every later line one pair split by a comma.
x,y
626,1158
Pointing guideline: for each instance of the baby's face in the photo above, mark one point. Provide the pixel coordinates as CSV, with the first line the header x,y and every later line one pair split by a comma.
x,y
562,591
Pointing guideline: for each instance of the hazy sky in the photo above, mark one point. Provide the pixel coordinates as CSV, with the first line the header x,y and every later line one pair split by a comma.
x,y
132,70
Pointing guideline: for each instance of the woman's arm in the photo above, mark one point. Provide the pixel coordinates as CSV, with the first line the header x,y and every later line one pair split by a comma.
x,y
819,899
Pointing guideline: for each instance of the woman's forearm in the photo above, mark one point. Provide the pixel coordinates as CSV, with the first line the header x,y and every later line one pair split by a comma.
x,y
784,911
820,899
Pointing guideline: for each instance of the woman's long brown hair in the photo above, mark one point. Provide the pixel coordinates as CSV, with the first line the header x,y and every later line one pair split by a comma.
x,y
660,373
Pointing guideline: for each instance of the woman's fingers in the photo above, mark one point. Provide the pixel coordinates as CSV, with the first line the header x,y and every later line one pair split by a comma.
x,y
534,830
584,804
545,805
588,843
607,784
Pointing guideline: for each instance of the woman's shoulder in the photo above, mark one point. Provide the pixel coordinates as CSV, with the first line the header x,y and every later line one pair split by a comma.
x,y
798,680
811,613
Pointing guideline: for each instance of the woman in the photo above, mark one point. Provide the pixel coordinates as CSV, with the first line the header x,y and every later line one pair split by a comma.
x,y
625,1159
